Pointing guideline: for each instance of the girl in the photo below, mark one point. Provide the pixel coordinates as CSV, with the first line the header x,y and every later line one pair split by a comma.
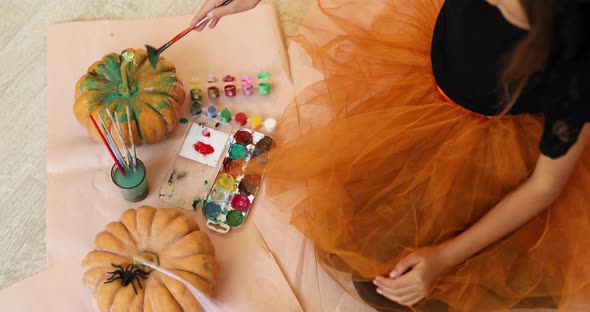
x,y
452,171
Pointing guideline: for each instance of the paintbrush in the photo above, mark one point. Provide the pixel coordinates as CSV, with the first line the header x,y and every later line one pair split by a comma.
x,y
153,53
120,133
114,147
115,125
107,145
134,158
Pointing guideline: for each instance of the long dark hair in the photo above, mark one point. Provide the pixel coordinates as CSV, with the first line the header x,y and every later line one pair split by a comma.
x,y
531,53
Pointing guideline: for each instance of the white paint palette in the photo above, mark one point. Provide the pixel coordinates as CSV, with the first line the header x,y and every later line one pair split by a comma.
x,y
188,180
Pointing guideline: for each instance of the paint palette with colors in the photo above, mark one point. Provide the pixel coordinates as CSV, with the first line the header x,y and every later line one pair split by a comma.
x,y
238,180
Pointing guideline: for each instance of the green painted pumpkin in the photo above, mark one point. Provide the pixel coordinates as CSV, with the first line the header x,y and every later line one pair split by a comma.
x,y
118,81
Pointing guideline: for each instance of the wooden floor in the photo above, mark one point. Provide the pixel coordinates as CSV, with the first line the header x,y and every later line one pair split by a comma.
x,y
23,111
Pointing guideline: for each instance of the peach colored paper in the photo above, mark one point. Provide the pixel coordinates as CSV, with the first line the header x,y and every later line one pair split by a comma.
x,y
81,199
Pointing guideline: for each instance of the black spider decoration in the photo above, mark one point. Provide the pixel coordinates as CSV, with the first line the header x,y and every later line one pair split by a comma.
x,y
127,275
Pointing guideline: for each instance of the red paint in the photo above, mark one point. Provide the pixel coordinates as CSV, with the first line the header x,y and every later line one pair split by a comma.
x,y
230,90
240,202
243,137
206,133
203,148
241,119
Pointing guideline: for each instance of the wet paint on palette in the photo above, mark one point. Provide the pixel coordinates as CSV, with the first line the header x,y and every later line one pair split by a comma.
x,y
175,177
238,181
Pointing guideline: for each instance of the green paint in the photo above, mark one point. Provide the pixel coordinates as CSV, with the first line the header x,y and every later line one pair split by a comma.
x,y
263,75
114,79
133,185
226,115
237,151
264,88
197,94
206,183
235,218
183,120
196,202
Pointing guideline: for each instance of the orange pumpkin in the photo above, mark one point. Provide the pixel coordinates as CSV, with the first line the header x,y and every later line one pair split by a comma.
x,y
165,237
118,81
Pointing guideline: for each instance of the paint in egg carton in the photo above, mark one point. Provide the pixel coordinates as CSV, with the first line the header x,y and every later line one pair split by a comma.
x,y
238,181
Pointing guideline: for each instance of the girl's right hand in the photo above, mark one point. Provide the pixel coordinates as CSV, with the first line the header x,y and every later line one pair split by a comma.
x,y
214,11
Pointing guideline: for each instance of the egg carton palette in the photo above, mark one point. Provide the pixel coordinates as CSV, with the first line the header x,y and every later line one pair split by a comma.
x,y
239,178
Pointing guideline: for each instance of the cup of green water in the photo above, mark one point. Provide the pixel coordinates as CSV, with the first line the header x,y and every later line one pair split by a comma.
x,y
133,185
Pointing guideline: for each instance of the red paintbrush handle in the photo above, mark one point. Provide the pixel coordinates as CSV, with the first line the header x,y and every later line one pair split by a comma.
x,y
182,34
104,140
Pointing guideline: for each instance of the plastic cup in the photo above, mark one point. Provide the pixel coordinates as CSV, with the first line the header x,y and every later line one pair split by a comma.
x,y
133,185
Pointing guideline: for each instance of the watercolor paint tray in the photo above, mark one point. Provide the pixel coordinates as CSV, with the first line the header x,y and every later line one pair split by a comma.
x,y
188,179
235,187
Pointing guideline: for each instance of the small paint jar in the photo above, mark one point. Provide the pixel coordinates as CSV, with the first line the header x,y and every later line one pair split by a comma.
x,y
213,92
241,119
256,121
229,78
263,75
211,79
270,124
226,115
196,108
196,94
264,88
211,111
247,89
230,90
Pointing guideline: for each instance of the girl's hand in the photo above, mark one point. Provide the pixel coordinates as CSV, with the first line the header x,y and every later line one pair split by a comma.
x,y
214,11
413,276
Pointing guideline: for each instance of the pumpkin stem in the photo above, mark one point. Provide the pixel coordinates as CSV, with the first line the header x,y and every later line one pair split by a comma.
x,y
128,57
150,257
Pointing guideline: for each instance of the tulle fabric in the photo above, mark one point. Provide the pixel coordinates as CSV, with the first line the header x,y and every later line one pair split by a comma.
x,y
374,162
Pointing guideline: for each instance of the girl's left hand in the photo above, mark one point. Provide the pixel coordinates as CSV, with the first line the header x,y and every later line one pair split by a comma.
x,y
425,266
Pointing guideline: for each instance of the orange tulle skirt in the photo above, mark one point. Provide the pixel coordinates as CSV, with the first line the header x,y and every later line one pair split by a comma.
x,y
381,164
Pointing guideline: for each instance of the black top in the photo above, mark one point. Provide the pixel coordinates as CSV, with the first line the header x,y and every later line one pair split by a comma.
x,y
469,47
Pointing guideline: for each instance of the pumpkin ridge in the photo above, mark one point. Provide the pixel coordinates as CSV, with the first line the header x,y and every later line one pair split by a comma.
x,y
120,241
168,291
97,253
104,69
178,300
93,81
165,250
135,241
167,225
193,273
157,112
167,97
133,117
212,281
170,221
